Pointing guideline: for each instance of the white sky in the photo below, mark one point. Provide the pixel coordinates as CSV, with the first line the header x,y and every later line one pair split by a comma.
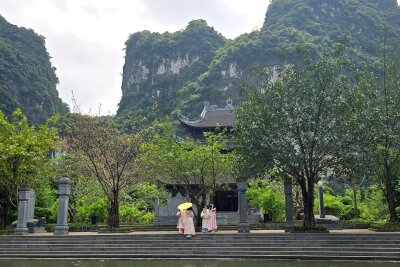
x,y
85,38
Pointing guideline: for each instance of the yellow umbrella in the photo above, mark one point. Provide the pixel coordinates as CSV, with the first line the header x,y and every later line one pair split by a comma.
x,y
185,206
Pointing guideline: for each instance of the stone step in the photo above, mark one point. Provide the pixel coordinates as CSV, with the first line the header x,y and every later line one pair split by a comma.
x,y
210,256
208,237
252,246
217,235
202,250
199,244
194,247
201,254
239,253
182,239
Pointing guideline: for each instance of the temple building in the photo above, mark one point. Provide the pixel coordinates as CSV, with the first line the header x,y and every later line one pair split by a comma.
x,y
225,200
210,118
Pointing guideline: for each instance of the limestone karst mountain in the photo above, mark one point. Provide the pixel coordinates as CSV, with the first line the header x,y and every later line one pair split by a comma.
x,y
176,72
27,78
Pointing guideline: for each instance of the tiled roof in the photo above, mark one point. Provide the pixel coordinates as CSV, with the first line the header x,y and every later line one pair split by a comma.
x,y
213,116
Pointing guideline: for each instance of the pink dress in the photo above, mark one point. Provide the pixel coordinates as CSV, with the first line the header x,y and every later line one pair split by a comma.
x,y
180,225
183,218
212,220
189,225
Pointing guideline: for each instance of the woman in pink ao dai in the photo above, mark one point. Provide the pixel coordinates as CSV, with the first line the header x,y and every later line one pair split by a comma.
x,y
189,224
180,224
212,219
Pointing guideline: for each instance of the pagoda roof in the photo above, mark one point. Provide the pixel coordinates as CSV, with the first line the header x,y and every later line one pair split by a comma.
x,y
212,117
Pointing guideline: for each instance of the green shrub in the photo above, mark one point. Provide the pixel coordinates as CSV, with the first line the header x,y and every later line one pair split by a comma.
x,y
6,232
398,211
336,205
385,227
89,208
371,208
347,200
131,214
262,195
148,218
43,212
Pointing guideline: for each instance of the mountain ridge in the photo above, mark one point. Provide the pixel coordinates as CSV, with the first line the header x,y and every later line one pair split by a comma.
x,y
316,24
27,78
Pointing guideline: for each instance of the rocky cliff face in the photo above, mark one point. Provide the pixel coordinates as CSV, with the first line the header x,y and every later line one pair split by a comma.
x,y
27,79
162,73
157,65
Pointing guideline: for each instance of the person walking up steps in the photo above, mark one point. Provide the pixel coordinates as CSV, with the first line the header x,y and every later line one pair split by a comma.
x,y
212,219
204,215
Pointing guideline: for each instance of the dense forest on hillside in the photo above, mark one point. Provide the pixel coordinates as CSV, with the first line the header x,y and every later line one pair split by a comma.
x,y
315,24
27,78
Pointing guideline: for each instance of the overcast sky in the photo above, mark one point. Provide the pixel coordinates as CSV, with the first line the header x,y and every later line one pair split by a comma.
x,y
85,38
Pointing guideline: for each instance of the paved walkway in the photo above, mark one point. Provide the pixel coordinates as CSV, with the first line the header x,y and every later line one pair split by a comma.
x,y
222,232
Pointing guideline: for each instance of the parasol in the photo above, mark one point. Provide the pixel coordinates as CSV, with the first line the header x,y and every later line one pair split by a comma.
x,y
185,206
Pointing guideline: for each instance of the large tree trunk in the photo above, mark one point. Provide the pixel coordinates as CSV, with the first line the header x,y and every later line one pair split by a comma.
x,y
392,209
4,208
72,214
113,211
390,192
196,218
391,204
298,204
72,209
355,208
308,200
2,217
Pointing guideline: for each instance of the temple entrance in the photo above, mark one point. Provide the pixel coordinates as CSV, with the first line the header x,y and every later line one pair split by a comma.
x,y
226,201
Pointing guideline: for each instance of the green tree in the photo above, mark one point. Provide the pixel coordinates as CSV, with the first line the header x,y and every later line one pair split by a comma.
x,y
24,153
107,155
294,121
380,117
197,169
83,188
147,195
267,197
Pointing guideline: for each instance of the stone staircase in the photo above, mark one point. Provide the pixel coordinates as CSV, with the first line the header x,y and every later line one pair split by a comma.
x,y
384,247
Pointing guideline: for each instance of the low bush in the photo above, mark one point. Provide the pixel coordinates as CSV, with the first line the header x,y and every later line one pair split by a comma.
x,y
385,227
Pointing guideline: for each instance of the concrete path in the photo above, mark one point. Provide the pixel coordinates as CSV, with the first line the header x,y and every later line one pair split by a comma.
x,y
222,232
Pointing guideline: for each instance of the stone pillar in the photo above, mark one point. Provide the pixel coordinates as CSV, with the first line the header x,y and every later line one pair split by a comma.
x,y
244,226
288,203
156,220
64,190
31,205
21,228
321,200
